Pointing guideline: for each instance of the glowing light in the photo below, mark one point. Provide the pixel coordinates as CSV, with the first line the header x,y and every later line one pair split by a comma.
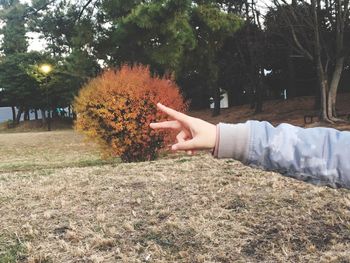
x,y
45,68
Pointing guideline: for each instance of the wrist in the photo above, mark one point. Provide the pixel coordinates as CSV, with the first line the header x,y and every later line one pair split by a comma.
x,y
233,141
215,150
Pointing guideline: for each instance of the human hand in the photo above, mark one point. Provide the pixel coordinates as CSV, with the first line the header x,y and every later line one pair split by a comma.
x,y
194,133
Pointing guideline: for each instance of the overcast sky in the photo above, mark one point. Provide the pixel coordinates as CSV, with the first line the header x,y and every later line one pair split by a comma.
x,y
35,43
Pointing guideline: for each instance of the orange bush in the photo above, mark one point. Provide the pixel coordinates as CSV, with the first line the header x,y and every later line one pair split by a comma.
x,y
116,108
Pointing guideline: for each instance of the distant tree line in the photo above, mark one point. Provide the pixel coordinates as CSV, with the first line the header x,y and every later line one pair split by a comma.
x,y
254,52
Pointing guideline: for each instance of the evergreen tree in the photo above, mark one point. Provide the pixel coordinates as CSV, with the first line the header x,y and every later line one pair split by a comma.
x,y
172,36
19,88
200,71
14,84
14,31
153,33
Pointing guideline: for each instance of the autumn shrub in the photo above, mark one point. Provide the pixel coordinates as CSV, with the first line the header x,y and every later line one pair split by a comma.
x,y
116,108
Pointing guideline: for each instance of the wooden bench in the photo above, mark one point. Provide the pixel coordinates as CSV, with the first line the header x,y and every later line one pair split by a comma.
x,y
309,118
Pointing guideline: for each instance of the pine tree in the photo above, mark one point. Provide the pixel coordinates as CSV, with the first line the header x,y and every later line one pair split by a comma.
x,y
14,31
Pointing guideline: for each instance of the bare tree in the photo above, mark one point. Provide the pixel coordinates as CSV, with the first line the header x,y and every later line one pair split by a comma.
x,y
317,32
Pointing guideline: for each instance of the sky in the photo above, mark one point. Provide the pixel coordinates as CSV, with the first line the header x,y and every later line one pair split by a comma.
x,y
35,43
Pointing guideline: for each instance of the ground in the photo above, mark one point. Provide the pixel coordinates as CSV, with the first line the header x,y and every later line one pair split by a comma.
x,y
59,202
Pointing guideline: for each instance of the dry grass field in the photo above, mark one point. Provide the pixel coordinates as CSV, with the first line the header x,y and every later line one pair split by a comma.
x,y
59,202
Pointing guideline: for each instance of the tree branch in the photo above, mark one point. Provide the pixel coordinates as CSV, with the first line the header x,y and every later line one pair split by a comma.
x,y
39,9
298,44
301,49
83,9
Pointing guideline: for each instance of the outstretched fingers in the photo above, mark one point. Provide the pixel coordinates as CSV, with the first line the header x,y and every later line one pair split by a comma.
x,y
175,125
181,122
174,114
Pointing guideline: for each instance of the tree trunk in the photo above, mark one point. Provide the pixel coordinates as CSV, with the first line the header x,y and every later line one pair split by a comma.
x,y
332,94
19,114
13,114
321,74
43,116
26,115
216,97
323,86
323,90
323,110
49,117
36,114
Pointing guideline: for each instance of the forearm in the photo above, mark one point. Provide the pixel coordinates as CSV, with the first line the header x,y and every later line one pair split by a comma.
x,y
317,155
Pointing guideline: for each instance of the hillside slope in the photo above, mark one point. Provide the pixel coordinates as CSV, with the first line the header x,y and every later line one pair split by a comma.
x,y
277,111
60,203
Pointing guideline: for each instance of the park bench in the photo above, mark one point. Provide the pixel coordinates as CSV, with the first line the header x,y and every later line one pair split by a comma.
x,y
309,118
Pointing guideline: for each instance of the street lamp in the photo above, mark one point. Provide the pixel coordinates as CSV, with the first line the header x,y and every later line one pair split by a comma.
x,y
46,69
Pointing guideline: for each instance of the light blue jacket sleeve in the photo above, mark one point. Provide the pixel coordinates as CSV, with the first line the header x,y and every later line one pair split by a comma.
x,y
316,155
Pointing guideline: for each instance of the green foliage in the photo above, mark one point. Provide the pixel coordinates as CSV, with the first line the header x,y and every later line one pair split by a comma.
x,y
69,76
11,252
177,36
24,85
207,44
14,31
154,32
18,87
60,25
200,71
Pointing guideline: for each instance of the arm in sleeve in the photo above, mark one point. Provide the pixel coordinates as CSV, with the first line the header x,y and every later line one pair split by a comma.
x,y
316,155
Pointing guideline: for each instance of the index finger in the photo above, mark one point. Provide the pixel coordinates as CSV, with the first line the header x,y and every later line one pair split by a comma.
x,y
173,113
166,125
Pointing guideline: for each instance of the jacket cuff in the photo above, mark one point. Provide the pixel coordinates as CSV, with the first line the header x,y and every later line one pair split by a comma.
x,y
232,141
